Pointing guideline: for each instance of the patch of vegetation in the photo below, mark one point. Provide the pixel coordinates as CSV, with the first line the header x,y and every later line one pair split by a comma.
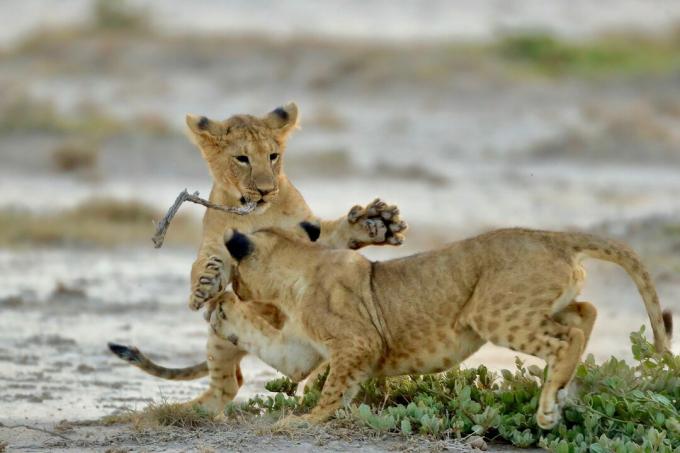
x,y
118,15
23,113
616,407
98,221
282,385
75,156
626,54
157,415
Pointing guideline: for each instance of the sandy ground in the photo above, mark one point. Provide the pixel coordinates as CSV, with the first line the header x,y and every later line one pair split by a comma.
x,y
459,144
233,438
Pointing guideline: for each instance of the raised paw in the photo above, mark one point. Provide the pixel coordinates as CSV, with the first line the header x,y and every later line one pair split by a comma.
x,y
376,224
210,283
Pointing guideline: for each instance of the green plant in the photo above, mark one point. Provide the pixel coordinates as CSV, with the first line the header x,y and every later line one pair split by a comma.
x,y
615,54
282,385
118,15
615,407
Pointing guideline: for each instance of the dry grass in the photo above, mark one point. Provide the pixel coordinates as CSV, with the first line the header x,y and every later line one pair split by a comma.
x,y
91,123
327,119
157,415
74,156
98,222
20,112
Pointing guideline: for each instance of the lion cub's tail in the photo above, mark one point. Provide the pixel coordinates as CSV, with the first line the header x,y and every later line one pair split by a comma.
x,y
135,357
624,256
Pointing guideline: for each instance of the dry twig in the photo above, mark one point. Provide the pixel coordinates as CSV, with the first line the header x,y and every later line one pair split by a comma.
x,y
162,226
34,428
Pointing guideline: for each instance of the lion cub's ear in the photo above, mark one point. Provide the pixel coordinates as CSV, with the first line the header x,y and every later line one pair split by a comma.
x,y
283,120
313,230
202,126
238,244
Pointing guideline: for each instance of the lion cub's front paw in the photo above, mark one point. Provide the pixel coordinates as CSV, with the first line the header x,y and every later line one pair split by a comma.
x,y
376,224
211,282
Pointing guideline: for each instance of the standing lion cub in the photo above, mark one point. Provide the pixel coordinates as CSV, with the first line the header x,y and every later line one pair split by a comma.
x,y
423,313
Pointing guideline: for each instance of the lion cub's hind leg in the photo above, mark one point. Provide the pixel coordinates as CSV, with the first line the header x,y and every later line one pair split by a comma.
x,y
525,323
561,347
581,315
225,375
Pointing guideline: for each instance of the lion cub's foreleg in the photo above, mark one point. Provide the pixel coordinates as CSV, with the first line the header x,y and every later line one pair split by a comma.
x,y
350,366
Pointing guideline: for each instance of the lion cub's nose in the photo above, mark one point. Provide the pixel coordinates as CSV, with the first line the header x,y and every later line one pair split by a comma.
x,y
264,192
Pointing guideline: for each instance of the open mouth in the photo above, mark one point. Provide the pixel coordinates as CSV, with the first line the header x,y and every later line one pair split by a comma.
x,y
259,202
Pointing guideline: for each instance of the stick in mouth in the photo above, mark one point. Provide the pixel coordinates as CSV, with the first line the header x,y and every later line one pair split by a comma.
x,y
162,226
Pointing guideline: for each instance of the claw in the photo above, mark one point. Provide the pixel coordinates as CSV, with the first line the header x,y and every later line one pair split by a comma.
x,y
355,213
386,215
390,212
397,227
395,240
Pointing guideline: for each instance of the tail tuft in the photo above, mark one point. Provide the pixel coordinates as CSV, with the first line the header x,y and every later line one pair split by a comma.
x,y
668,323
127,353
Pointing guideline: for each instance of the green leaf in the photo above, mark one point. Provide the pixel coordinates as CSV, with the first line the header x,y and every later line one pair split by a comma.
x,y
406,427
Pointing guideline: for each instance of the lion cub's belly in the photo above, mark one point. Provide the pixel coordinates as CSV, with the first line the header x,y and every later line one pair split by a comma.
x,y
430,352
293,357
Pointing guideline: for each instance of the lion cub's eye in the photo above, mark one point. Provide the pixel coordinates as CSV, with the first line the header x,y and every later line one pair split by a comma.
x,y
273,156
243,159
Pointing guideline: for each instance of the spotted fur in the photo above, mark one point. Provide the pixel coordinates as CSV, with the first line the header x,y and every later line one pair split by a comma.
x,y
515,288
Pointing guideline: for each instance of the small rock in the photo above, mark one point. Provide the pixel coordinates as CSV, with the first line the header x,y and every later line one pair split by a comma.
x,y
82,368
477,442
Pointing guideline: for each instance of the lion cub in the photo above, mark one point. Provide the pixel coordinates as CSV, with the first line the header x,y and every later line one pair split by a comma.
x,y
423,313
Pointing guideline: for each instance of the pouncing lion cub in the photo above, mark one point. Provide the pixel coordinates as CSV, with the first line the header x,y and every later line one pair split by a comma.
x,y
424,313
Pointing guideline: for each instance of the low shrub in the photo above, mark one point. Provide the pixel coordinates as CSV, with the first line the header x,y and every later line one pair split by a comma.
x,y
72,157
613,407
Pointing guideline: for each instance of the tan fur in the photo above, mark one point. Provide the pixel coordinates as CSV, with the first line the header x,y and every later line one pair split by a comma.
x,y
424,313
262,179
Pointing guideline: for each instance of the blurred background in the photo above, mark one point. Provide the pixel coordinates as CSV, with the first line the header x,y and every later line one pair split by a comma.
x,y
468,115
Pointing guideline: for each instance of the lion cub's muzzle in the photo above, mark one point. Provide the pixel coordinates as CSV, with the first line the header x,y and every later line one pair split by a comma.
x,y
260,197
217,319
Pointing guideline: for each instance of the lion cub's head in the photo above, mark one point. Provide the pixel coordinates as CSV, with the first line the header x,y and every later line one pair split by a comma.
x,y
244,152
267,260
